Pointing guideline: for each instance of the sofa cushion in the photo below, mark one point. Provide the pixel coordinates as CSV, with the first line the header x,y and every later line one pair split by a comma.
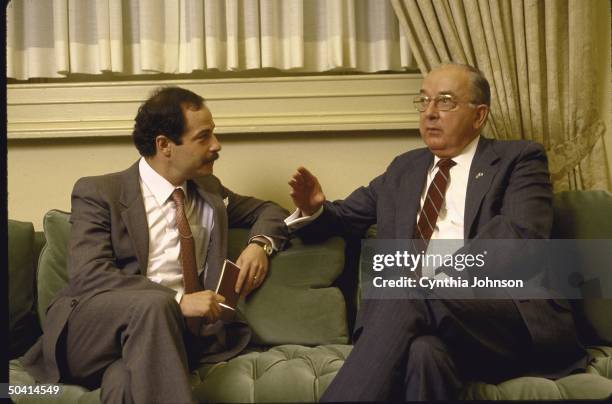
x,y
602,361
574,387
23,326
52,272
296,304
293,373
289,373
594,384
582,215
286,373
586,215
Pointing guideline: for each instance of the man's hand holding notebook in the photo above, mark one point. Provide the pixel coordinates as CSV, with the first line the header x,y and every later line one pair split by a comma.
x,y
226,288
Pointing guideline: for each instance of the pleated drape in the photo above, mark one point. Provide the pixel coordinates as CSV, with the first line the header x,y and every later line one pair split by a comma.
x,y
546,61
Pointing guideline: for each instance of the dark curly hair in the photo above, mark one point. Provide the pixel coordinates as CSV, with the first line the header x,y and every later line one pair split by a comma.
x,y
161,114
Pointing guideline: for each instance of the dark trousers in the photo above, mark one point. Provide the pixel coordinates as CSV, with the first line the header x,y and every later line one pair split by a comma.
x,y
426,349
132,344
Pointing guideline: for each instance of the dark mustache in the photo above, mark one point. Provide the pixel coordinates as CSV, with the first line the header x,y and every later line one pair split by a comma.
x,y
212,158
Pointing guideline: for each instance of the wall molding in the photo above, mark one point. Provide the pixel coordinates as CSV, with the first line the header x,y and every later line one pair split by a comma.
x,y
244,105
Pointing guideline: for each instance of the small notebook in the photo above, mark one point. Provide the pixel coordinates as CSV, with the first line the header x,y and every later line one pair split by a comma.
x,y
227,284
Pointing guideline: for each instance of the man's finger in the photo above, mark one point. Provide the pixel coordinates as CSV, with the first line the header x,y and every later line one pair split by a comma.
x,y
211,315
299,180
241,276
259,280
248,284
296,186
308,179
305,173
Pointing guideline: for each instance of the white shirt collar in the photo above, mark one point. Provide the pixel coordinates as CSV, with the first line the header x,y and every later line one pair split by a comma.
x,y
160,187
463,159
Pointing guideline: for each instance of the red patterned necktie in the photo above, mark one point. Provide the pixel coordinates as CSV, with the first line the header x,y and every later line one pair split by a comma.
x,y
191,282
431,208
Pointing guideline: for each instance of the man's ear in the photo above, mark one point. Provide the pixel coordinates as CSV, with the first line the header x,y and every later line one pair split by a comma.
x,y
162,145
482,111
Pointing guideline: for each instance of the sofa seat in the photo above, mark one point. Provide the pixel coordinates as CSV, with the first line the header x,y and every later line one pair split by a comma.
x,y
295,373
594,384
284,373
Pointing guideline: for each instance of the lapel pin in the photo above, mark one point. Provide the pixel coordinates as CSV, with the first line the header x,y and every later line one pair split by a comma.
x,y
226,201
480,174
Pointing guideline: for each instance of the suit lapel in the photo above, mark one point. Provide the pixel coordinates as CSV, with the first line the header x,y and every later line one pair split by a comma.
x,y
134,216
482,171
217,249
409,195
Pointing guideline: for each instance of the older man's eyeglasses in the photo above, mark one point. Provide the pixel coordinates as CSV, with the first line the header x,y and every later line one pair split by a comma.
x,y
442,102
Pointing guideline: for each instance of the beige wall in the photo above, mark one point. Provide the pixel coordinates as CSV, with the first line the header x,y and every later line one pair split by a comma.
x,y
41,173
346,129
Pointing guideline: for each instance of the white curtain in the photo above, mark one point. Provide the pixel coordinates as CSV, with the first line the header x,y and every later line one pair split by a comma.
x,y
55,38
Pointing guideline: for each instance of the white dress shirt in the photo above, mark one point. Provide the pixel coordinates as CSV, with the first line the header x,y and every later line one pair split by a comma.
x,y
164,266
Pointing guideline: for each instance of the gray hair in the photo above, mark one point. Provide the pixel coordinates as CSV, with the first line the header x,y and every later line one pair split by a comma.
x,y
481,91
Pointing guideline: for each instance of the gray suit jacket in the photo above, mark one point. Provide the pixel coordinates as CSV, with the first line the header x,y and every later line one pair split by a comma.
x,y
512,199
109,247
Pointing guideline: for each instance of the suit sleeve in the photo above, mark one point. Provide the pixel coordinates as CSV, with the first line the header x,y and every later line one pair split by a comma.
x,y
92,264
262,217
349,218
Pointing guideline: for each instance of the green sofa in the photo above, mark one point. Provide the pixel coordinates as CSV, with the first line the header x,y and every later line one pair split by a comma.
x,y
300,317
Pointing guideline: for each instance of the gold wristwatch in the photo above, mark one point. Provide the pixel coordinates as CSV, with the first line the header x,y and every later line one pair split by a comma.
x,y
265,245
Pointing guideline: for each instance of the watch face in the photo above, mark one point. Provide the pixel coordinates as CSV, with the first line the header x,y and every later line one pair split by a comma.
x,y
268,249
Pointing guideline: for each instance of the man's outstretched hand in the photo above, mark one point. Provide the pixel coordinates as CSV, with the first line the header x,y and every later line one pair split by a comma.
x,y
306,191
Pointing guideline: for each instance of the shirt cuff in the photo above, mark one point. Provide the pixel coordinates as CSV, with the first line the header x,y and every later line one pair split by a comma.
x,y
297,220
178,297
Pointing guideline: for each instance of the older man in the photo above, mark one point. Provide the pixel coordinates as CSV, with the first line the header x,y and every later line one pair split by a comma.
x,y
461,186
145,254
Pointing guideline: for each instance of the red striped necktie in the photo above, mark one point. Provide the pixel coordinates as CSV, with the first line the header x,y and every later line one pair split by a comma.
x,y
431,208
188,259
